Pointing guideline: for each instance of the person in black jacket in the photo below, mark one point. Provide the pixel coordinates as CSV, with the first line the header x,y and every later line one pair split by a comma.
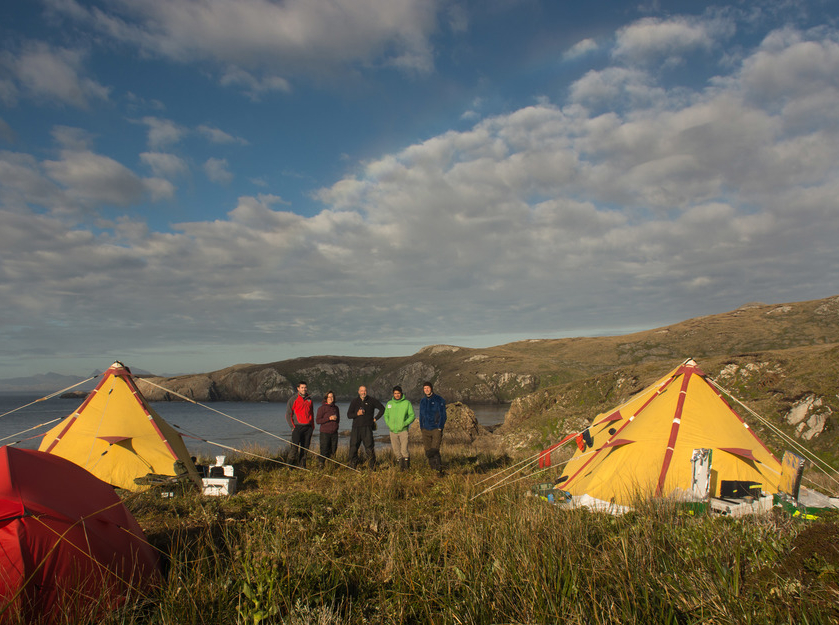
x,y
361,411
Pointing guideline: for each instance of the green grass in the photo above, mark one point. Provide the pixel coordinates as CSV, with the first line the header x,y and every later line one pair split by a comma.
x,y
388,546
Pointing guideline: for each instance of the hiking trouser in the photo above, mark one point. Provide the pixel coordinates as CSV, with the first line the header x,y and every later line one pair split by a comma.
x,y
362,435
301,436
399,442
431,440
328,446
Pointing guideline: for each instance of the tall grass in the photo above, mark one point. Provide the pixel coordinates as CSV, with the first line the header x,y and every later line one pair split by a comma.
x,y
389,546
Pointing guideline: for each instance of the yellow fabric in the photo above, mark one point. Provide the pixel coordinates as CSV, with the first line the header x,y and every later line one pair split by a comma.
x,y
118,437
631,463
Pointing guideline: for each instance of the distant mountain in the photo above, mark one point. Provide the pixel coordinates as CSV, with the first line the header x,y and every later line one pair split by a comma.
x,y
41,383
49,383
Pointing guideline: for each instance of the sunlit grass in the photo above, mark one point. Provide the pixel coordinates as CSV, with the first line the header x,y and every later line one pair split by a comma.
x,y
392,546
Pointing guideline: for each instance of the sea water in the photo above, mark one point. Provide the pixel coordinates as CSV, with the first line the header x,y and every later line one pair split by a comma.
x,y
207,429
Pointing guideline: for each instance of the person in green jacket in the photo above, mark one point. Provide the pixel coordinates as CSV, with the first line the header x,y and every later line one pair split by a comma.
x,y
399,414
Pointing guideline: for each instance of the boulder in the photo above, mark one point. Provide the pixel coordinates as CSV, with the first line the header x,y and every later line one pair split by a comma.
x,y
462,427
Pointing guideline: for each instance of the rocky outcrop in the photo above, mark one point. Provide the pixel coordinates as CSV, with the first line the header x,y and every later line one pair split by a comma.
x,y
809,416
195,387
270,383
410,377
462,428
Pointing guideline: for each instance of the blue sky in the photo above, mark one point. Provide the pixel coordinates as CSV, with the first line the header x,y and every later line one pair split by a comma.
x,y
190,184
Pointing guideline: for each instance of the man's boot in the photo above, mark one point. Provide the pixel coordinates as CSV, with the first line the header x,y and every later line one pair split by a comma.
x,y
403,464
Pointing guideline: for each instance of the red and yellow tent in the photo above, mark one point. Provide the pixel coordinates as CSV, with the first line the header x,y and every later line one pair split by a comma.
x,y
118,437
644,447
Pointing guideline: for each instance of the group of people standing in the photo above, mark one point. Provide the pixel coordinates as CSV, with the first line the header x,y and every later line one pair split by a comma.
x,y
365,411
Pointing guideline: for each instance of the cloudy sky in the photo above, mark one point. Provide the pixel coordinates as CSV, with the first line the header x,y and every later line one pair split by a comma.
x,y
190,184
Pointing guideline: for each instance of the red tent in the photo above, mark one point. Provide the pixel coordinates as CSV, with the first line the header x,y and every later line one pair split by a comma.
x,y
68,545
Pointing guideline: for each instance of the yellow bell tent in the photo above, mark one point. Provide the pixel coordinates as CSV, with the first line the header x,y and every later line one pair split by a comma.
x,y
645,446
118,437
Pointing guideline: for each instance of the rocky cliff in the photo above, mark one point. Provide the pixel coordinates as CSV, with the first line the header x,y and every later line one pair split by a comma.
x,y
504,373
276,381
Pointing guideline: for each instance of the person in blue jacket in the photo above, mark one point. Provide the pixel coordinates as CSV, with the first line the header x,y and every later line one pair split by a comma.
x,y
432,419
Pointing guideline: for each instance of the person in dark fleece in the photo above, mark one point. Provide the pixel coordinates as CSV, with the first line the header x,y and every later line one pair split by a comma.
x,y
361,411
328,418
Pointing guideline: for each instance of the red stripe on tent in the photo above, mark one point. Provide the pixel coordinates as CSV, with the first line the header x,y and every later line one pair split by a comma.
x,y
76,415
129,379
742,453
674,429
661,389
615,416
618,443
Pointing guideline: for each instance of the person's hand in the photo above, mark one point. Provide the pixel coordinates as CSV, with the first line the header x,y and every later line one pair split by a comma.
x,y
360,412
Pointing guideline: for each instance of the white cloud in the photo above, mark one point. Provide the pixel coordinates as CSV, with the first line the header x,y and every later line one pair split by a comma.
x,y
216,135
581,48
71,138
51,74
23,185
95,180
159,189
165,165
538,220
799,69
255,86
616,87
295,36
654,39
163,132
77,181
217,170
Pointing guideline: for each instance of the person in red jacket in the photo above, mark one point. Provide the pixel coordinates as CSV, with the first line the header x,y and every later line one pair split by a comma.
x,y
301,418
328,418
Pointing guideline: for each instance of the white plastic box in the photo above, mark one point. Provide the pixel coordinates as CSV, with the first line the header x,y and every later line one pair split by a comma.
x,y
219,485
